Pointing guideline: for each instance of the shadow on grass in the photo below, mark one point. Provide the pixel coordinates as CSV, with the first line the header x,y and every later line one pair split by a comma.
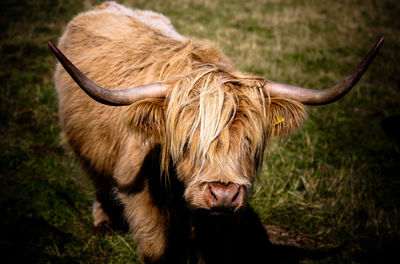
x,y
34,240
27,234
242,238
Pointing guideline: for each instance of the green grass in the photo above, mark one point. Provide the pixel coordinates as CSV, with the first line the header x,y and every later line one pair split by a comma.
x,y
336,180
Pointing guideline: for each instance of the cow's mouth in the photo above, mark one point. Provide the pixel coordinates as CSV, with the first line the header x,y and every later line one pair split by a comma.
x,y
220,211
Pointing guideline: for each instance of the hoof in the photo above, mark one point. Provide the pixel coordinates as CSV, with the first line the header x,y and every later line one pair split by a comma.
x,y
100,218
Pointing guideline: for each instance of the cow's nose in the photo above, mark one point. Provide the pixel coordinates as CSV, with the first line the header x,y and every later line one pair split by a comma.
x,y
221,195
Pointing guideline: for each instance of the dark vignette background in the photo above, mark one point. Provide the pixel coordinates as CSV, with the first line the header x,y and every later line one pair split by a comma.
x,y
336,181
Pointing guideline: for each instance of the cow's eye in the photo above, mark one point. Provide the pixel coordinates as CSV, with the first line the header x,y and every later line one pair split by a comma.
x,y
186,146
249,140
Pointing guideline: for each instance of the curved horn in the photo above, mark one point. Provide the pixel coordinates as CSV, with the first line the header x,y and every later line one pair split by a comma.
x,y
326,96
104,96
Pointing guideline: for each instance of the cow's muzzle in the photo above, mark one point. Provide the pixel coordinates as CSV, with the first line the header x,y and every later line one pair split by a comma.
x,y
224,196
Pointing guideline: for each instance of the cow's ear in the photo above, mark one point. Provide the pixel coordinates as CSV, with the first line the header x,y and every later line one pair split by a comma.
x,y
284,116
147,118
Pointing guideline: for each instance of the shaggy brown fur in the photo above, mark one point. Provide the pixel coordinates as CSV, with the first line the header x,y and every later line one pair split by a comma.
x,y
212,127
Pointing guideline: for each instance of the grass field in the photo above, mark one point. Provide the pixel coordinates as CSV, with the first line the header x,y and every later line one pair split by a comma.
x,y
336,182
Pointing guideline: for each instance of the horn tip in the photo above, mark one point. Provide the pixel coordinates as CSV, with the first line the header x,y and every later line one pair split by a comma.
x,y
381,39
380,42
51,45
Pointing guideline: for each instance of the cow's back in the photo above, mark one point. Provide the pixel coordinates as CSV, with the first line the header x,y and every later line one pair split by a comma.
x,y
109,44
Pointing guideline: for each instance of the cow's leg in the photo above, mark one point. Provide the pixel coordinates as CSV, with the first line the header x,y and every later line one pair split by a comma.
x,y
148,225
100,217
138,178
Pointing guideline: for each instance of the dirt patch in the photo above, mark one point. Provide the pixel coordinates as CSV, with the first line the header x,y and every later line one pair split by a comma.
x,y
280,235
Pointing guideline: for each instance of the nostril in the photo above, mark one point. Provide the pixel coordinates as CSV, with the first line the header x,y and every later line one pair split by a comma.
x,y
236,195
213,194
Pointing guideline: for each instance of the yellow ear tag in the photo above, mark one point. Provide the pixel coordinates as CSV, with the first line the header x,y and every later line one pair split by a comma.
x,y
279,121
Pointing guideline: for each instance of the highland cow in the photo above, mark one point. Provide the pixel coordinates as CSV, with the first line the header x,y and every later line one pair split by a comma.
x,y
175,138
